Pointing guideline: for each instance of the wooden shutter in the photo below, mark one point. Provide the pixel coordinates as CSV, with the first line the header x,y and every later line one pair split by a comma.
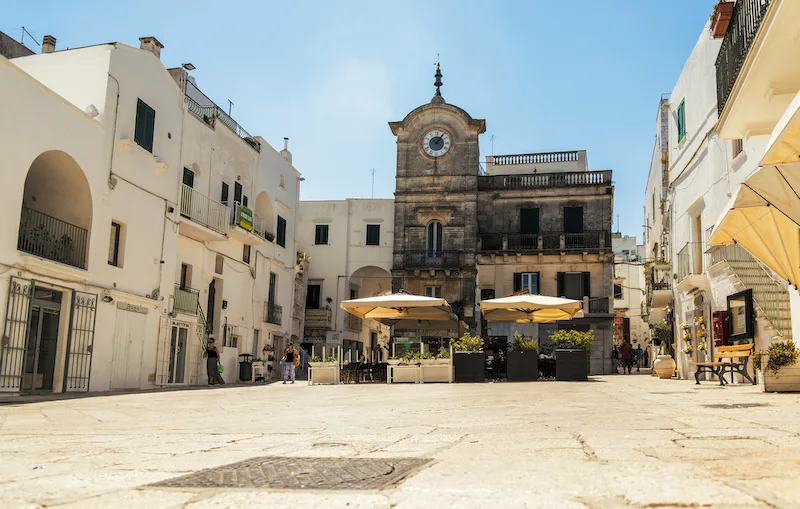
x,y
281,235
573,219
560,284
517,281
237,192
587,281
529,221
145,125
225,190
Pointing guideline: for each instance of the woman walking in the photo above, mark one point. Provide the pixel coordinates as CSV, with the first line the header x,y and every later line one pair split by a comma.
x,y
212,360
290,360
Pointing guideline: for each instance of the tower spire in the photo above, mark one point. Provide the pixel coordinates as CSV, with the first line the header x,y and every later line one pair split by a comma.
x,y
437,98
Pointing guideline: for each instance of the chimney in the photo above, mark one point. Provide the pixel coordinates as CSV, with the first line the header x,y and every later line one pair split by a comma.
x,y
285,152
152,45
48,44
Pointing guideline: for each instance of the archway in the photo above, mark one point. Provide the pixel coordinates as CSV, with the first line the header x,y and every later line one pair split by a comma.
x,y
56,215
373,337
264,216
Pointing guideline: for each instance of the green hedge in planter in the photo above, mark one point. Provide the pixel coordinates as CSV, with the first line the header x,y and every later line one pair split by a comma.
x,y
572,354
573,339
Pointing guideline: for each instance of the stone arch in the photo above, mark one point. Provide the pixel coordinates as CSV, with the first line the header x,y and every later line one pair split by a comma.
x,y
265,211
56,217
371,280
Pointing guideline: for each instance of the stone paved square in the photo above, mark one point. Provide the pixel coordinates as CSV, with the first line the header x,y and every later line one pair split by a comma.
x,y
617,441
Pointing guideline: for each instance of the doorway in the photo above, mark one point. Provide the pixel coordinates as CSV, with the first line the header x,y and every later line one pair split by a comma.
x,y
177,354
42,344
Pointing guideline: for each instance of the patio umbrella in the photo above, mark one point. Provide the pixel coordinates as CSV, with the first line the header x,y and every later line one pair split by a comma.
x,y
400,306
764,218
525,308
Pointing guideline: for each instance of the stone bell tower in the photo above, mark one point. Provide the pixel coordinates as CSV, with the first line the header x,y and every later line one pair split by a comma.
x,y
436,195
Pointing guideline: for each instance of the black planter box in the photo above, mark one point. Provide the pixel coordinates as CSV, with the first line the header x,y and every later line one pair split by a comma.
x,y
523,366
469,367
572,365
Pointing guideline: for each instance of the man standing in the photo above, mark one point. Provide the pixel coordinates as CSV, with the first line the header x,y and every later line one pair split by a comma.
x,y
639,357
626,352
290,360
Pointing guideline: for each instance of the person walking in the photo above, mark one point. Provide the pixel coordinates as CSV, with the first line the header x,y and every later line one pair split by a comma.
x,y
639,357
647,358
626,352
291,359
615,361
212,361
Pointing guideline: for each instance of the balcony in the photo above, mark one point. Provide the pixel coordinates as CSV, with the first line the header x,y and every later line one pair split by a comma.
x,y
538,158
207,111
273,313
545,180
690,266
186,300
352,323
211,216
742,29
598,306
247,227
553,242
432,259
51,238
318,319
659,286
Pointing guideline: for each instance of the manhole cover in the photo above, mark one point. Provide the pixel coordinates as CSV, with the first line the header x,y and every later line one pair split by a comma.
x,y
301,474
731,406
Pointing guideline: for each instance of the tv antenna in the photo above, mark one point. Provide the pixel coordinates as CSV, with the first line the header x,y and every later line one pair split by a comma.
x,y
491,139
373,183
22,39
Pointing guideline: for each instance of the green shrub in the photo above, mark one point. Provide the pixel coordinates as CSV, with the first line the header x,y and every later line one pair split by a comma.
x,y
428,355
467,343
573,339
782,352
411,356
443,354
522,344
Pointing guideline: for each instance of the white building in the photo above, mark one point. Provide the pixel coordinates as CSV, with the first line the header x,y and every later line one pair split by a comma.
x,y
95,145
629,289
349,243
693,174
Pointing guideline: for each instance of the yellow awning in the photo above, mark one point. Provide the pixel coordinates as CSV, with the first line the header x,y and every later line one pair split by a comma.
x,y
764,218
784,144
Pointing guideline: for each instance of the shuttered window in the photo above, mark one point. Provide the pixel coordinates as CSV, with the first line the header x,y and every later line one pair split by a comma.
x,y
145,125
574,285
281,235
373,234
526,281
529,221
573,219
225,192
681,121
321,234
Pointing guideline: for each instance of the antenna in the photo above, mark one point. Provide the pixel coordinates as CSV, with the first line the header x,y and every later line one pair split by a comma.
x,y
373,182
22,39
230,104
491,138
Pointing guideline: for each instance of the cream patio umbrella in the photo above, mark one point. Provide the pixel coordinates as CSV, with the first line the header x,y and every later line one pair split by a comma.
x,y
525,308
400,306
764,218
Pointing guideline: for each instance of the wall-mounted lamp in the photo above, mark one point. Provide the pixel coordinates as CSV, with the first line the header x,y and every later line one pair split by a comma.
x,y
108,299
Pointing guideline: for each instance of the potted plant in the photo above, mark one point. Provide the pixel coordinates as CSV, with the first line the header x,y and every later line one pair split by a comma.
x,y
721,18
572,354
469,359
394,360
412,357
664,365
317,362
523,360
778,368
428,358
443,357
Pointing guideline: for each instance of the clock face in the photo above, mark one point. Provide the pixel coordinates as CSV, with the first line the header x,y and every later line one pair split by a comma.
x,y
436,143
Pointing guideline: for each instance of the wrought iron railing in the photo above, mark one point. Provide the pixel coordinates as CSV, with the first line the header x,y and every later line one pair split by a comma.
x,y
186,300
742,29
202,209
273,313
206,113
690,259
544,241
599,305
210,111
353,323
424,259
546,180
48,237
542,157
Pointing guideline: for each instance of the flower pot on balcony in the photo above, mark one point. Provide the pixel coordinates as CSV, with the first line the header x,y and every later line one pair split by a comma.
x,y
721,18
572,365
523,366
469,366
664,366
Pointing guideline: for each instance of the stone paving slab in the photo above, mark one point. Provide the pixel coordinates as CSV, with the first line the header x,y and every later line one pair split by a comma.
x,y
632,441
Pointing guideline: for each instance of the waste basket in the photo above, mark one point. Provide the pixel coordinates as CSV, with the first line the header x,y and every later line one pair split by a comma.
x,y
245,367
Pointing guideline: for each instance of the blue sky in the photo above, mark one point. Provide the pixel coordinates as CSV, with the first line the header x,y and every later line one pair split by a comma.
x,y
546,75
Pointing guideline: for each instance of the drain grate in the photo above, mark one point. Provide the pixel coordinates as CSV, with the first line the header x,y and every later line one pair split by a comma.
x,y
731,406
301,474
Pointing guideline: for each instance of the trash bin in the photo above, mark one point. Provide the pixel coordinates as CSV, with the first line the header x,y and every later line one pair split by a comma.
x,y
245,367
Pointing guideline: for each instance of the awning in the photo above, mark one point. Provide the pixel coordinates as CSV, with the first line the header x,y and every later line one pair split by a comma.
x,y
525,308
784,144
764,218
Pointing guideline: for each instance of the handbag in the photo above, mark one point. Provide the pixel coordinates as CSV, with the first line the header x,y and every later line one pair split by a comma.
x,y
220,368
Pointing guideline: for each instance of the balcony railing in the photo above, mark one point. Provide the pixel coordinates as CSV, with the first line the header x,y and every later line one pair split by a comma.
x,y
690,259
318,318
186,300
546,180
599,305
540,158
203,210
209,112
425,259
352,323
544,241
742,29
273,313
51,238
260,224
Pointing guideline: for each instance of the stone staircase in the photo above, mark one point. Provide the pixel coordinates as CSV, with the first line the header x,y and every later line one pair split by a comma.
x,y
770,294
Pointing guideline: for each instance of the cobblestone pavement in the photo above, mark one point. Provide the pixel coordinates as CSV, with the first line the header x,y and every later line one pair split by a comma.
x,y
617,441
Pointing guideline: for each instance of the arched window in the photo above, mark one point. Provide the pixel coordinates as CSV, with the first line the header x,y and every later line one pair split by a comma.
x,y
435,239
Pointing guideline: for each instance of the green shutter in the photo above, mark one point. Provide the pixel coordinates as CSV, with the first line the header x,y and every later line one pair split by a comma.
x,y
144,132
517,281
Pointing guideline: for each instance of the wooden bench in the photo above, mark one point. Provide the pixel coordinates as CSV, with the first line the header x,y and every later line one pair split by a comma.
x,y
737,357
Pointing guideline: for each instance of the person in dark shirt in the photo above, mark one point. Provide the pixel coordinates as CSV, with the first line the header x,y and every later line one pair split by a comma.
x,y
212,359
290,355
626,352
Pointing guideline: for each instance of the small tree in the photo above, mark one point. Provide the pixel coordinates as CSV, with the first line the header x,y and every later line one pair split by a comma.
x,y
522,344
661,333
573,339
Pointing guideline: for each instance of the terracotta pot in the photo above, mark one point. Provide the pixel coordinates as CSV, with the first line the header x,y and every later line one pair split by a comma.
x,y
664,366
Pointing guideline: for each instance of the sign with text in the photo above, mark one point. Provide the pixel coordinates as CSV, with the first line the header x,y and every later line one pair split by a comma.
x,y
245,218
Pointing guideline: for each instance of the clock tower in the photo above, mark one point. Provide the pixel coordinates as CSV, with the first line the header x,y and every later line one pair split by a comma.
x,y
436,197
